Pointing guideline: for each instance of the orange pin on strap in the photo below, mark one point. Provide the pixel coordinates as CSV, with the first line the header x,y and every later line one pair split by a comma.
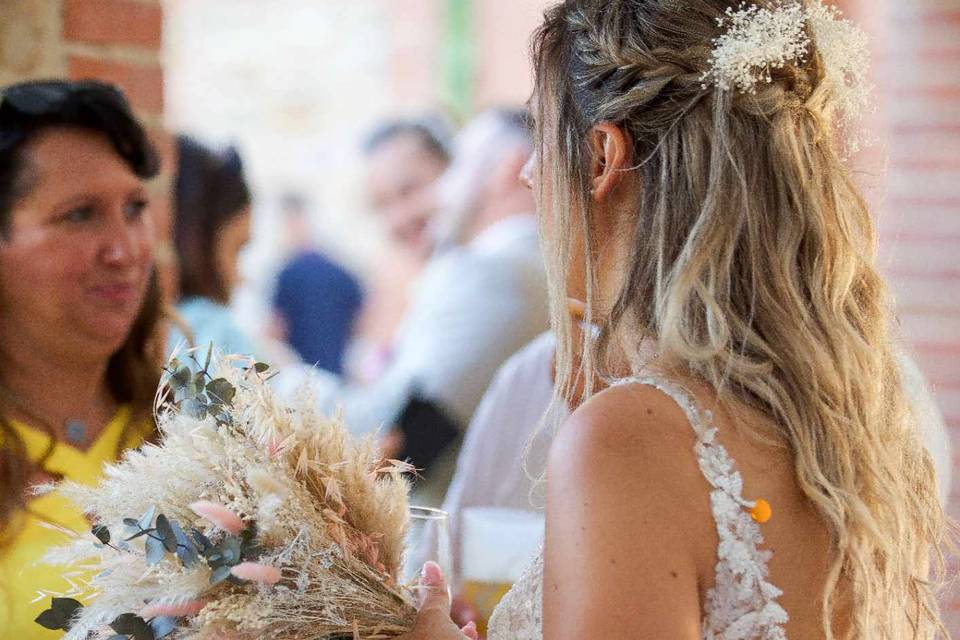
x,y
761,511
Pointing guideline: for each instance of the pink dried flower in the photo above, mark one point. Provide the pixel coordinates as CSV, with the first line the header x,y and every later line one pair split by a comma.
x,y
182,610
262,573
218,515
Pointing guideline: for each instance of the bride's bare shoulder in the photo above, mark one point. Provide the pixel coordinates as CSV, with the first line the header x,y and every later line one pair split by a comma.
x,y
630,440
627,424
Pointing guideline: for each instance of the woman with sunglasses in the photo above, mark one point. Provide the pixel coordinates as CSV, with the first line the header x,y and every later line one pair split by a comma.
x,y
79,312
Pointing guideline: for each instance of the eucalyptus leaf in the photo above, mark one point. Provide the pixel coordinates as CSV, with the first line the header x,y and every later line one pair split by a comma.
x,y
50,619
186,550
142,532
221,391
230,547
206,361
219,574
131,624
195,408
165,531
155,551
131,524
60,615
260,367
163,626
180,378
102,533
147,518
199,382
203,542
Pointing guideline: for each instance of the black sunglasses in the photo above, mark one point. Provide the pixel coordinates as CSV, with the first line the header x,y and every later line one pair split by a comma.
x,y
44,97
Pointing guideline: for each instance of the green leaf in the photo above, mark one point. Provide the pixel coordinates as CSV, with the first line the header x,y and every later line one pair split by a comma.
x,y
163,626
221,391
131,624
165,531
186,550
203,542
199,381
155,551
195,408
260,367
60,615
230,548
147,518
219,574
142,532
206,361
50,619
101,533
180,378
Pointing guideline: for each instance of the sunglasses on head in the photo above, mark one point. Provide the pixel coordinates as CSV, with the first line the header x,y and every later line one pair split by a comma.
x,y
45,97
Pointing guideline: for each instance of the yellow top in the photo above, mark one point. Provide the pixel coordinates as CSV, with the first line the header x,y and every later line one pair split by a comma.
x,y
24,581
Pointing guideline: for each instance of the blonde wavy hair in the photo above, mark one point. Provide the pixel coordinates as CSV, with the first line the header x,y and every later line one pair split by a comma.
x,y
751,267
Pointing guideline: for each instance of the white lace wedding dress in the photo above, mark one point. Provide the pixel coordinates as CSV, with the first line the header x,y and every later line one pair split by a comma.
x,y
743,603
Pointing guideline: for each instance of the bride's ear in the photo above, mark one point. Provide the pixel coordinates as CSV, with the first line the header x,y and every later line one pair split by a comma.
x,y
611,156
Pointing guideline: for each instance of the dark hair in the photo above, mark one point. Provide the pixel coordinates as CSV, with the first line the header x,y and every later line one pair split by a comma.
x,y
29,107
210,190
431,132
133,372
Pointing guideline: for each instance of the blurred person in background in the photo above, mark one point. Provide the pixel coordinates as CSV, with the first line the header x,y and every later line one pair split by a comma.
x,y
211,226
79,317
479,299
403,158
315,301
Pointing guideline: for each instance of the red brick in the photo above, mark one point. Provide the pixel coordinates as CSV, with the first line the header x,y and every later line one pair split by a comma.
x,y
113,22
142,84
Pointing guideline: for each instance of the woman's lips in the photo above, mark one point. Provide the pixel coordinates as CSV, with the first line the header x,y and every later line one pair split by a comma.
x,y
120,293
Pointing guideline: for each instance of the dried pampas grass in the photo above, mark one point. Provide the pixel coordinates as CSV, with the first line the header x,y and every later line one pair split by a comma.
x,y
250,519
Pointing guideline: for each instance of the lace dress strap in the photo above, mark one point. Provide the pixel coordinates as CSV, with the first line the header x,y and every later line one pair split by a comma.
x,y
742,605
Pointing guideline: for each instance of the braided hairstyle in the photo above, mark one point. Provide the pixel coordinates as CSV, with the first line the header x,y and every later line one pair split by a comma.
x,y
751,267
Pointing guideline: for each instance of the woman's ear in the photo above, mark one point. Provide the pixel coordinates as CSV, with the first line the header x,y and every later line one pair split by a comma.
x,y
612,155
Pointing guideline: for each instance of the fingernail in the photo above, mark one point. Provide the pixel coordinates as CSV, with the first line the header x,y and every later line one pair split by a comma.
x,y
431,574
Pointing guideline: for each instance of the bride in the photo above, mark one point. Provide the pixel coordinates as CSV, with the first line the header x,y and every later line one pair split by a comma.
x,y
750,469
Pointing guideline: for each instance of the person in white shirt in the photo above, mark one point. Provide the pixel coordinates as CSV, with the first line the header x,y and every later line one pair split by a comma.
x,y
480,298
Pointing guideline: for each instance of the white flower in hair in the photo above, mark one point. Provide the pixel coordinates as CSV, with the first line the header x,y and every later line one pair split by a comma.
x,y
845,53
757,41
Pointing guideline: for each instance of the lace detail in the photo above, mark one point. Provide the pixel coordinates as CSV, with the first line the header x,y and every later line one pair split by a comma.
x,y
519,616
742,605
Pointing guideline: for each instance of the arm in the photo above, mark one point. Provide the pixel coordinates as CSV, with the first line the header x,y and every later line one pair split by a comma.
x,y
622,524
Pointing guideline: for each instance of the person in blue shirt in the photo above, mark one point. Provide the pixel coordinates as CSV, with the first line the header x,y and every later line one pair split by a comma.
x,y
316,301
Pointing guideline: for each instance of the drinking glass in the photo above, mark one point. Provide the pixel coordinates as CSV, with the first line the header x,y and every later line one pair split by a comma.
x,y
428,539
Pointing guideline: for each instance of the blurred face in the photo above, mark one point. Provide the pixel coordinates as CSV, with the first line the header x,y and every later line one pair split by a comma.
x,y
231,240
400,175
76,261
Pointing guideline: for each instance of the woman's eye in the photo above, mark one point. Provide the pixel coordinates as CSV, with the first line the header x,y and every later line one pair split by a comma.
x,y
136,208
79,214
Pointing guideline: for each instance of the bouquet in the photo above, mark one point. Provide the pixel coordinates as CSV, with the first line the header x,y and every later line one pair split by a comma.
x,y
249,519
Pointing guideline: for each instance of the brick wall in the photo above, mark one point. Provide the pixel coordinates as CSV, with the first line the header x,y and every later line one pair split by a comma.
x,y
117,41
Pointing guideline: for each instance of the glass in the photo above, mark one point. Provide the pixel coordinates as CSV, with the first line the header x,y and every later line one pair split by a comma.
x,y
496,545
428,539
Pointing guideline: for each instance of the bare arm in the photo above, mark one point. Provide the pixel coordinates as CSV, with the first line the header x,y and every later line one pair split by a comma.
x,y
623,518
